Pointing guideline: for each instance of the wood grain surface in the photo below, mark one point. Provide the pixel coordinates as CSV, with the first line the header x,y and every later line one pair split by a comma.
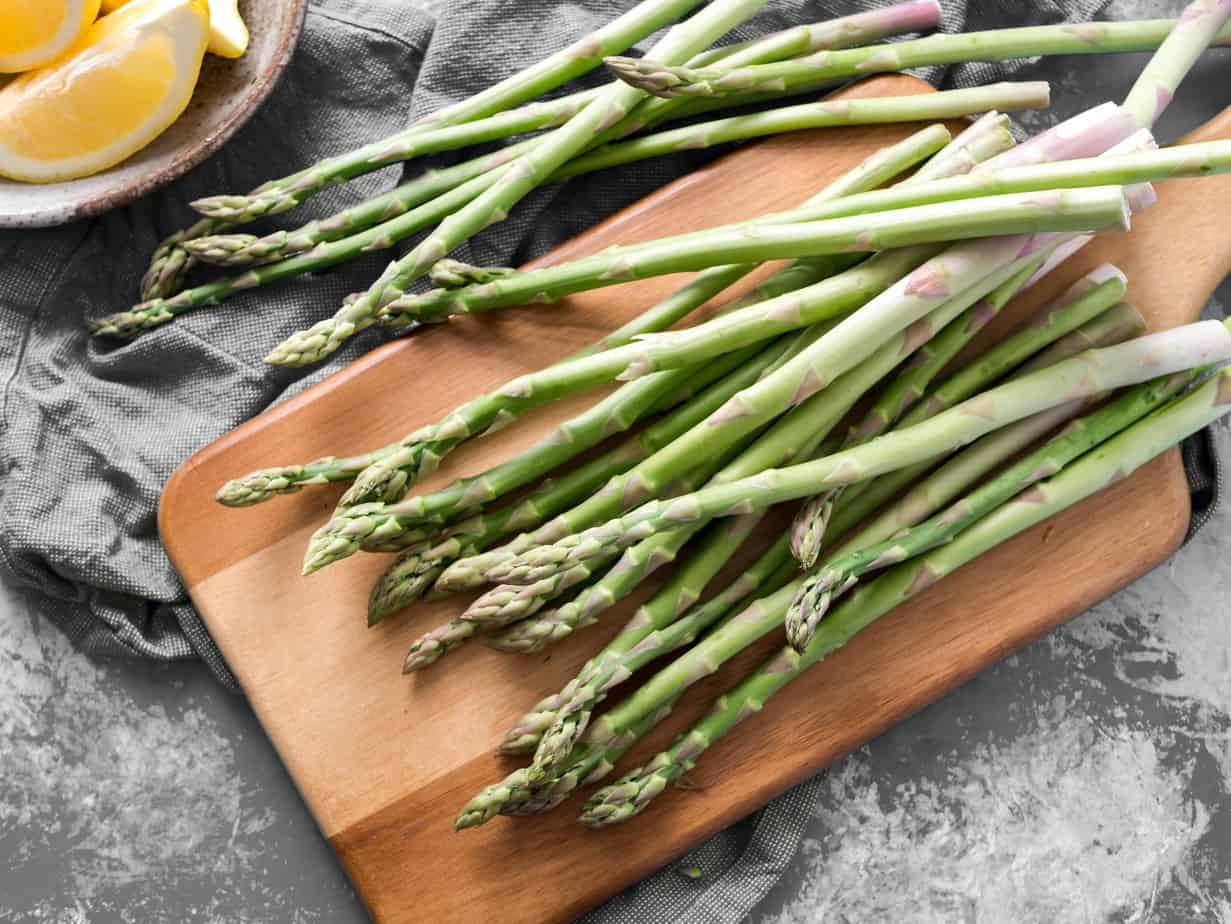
x,y
384,761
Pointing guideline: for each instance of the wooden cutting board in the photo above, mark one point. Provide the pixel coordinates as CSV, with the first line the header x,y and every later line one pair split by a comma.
x,y
384,761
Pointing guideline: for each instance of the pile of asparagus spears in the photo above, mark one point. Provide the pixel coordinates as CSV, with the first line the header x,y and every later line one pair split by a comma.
x,y
833,383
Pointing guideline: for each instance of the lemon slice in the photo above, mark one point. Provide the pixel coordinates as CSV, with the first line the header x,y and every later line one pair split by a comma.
x,y
228,36
31,34
118,89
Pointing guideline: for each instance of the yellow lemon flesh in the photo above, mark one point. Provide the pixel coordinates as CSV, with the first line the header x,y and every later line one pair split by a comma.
x,y
228,36
31,34
113,93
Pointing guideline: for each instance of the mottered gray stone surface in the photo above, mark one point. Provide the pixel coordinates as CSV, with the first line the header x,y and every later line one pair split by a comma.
x,y
1085,779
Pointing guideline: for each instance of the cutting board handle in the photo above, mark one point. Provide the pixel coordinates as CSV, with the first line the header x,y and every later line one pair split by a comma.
x,y
1195,210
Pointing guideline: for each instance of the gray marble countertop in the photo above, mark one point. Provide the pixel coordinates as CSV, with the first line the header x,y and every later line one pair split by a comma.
x,y
1087,778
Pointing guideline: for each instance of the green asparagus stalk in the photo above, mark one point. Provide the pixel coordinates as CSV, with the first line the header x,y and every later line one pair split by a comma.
x,y
517,795
1197,27
1078,209
487,116
520,178
1088,298
945,104
244,250
845,32
981,140
389,480
662,80
811,602
1089,374
1110,462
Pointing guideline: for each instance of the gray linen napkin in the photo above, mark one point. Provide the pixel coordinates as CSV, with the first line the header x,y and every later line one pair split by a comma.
x,y
91,431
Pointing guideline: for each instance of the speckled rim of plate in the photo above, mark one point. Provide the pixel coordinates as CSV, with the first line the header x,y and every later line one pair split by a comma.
x,y
227,95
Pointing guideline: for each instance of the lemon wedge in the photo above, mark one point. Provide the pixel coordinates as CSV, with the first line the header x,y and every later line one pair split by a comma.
x,y
127,79
31,34
228,36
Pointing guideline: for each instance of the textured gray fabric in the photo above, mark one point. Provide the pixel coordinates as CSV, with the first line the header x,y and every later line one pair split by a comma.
x,y
91,431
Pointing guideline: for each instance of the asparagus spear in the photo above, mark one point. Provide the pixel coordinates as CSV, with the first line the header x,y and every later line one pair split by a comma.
x,y
1082,376
844,32
811,602
861,500
944,104
1110,462
1089,297
1087,209
487,115
519,179
665,80
1197,27
389,480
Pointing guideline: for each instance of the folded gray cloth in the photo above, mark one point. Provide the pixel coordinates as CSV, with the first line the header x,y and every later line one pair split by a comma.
x,y
92,430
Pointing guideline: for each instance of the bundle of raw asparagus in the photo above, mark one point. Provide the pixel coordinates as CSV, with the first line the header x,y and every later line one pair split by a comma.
x,y
831,383
579,133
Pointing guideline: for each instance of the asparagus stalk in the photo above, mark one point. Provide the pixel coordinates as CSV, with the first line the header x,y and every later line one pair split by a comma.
x,y
663,624
481,415
1048,210
388,480
519,179
1089,374
1088,298
980,141
861,500
811,602
516,794
945,104
640,647
664,80
244,250
152,313
1197,27
844,32
1110,462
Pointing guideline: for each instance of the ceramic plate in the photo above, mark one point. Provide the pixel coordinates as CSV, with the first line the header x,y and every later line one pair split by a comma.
x,y
226,96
